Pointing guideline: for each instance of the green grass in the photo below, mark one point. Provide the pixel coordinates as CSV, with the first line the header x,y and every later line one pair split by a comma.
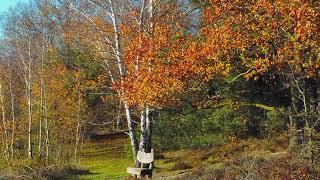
x,y
105,160
109,159
106,168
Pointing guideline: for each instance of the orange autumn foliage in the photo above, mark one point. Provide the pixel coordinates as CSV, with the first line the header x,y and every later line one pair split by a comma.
x,y
169,65
261,36
267,35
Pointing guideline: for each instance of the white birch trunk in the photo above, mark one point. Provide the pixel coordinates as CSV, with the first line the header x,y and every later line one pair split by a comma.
x,y
12,114
132,131
117,39
29,99
5,131
27,76
116,48
41,107
143,129
148,143
46,127
148,128
78,126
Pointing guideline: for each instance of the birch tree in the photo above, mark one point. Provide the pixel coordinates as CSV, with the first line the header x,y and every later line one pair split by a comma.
x,y
4,120
12,105
111,9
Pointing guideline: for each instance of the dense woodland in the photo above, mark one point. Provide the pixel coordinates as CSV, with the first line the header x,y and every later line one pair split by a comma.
x,y
171,74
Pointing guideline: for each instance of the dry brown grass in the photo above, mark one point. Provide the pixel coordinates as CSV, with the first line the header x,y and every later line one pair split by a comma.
x,y
242,159
223,153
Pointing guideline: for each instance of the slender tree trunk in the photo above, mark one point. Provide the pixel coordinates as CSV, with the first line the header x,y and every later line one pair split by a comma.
x,y
116,48
148,132
46,127
27,76
141,21
29,97
293,141
5,131
122,72
315,95
78,126
12,115
117,125
41,113
296,126
132,131
44,48
30,151
143,129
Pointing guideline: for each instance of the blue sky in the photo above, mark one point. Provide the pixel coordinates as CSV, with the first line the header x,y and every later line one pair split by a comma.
x,y
4,7
6,4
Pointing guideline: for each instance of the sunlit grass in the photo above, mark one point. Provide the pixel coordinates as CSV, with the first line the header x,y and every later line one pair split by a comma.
x,y
106,159
109,160
106,168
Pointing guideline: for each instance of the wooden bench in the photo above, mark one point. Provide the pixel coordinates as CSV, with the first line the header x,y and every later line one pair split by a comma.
x,y
146,160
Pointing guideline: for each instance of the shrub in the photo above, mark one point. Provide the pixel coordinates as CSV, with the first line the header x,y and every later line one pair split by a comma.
x,y
196,129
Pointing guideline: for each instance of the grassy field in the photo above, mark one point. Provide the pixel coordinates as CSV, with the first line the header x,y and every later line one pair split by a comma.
x,y
109,159
106,159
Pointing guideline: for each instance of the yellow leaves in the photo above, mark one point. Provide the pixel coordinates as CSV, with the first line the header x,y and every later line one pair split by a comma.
x,y
101,79
227,69
306,64
51,50
250,74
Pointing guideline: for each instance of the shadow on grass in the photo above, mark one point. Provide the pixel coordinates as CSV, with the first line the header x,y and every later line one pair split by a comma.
x,y
74,171
67,173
